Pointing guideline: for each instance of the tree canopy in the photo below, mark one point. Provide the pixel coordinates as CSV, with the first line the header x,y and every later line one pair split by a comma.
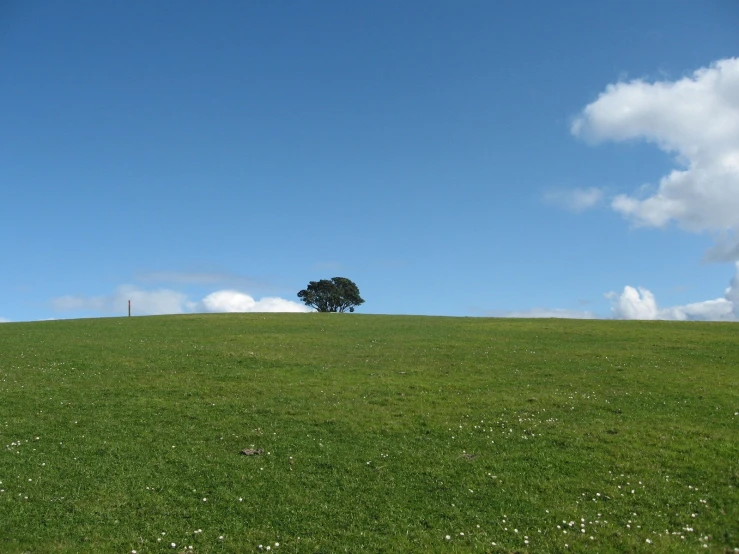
x,y
336,295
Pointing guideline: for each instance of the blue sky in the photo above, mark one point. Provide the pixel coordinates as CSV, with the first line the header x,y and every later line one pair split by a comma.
x,y
471,158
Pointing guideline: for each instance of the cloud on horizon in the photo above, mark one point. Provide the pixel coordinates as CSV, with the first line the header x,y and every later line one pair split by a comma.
x,y
694,119
235,301
144,302
548,313
167,301
640,303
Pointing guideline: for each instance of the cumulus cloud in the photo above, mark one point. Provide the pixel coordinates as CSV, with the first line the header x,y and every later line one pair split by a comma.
x,y
235,301
166,301
640,303
634,304
575,200
696,120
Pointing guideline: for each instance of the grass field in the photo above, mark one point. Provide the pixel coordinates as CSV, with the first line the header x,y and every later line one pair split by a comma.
x,y
406,434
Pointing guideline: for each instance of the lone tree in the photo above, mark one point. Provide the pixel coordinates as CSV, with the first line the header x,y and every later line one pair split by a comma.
x,y
337,295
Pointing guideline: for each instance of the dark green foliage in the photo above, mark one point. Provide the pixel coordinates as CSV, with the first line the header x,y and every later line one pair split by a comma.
x,y
337,295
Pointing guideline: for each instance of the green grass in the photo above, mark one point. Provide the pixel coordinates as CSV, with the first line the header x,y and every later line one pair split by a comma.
x,y
124,434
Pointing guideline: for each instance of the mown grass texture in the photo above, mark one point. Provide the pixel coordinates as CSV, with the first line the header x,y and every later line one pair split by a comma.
x,y
412,434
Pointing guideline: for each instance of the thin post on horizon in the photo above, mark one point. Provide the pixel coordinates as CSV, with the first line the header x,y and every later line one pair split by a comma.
x,y
129,308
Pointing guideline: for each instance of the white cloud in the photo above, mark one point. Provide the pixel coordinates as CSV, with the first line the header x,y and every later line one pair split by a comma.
x,y
576,200
235,301
3,320
639,303
634,304
695,119
547,313
166,301
155,302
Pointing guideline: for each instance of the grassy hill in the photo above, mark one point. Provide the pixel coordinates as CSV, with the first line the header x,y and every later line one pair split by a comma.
x,y
405,434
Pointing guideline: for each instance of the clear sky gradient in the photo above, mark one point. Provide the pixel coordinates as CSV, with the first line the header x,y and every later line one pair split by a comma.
x,y
576,159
